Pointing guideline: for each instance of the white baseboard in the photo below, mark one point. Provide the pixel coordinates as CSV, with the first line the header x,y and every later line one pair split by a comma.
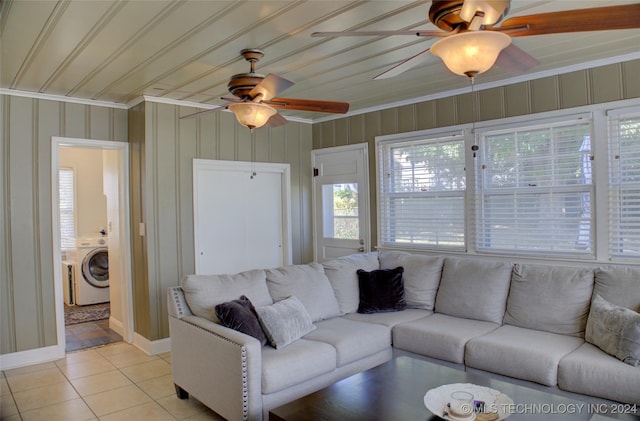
x,y
31,357
116,326
151,347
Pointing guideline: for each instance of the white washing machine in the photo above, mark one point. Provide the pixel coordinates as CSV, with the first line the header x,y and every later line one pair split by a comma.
x,y
90,283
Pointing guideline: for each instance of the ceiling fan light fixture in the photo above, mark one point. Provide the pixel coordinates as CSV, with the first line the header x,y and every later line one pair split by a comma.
x,y
252,114
471,53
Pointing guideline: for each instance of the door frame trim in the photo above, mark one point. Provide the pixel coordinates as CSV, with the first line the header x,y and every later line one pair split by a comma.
x,y
364,147
125,231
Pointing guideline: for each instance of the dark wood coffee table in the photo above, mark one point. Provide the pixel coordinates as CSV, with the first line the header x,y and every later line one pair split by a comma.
x,y
395,391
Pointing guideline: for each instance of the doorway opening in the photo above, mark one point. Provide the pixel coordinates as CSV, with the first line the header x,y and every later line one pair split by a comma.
x,y
90,200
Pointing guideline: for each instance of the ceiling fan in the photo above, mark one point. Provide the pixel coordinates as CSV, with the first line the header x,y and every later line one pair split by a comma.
x,y
470,43
254,103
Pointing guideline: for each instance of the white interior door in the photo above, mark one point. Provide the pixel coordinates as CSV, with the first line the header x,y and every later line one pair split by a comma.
x,y
241,221
341,201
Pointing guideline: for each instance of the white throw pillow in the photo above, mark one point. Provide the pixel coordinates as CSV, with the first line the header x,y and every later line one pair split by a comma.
x,y
344,280
284,321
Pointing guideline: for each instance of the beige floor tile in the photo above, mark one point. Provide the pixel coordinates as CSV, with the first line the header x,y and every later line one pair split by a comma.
x,y
73,410
127,359
148,412
4,387
46,377
181,408
29,369
15,417
116,400
83,356
158,387
44,396
7,407
146,371
208,415
100,382
86,368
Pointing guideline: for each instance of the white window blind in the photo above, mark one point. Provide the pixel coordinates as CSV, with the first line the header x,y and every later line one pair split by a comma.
x,y
67,217
624,185
535,190
421,201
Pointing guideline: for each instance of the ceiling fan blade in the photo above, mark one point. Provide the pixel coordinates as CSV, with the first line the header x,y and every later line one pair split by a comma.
x,y
277,120
515,60
404,66
203,113
580,20
309,105
270,86
415,32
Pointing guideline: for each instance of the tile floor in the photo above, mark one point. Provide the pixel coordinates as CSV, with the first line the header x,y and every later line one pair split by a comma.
x,y
89,334
115,382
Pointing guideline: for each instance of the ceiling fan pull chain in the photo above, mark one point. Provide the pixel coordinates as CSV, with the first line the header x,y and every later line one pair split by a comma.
x,y
475,146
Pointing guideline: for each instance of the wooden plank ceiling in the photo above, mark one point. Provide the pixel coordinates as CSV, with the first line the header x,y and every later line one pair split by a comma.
x,y
116,51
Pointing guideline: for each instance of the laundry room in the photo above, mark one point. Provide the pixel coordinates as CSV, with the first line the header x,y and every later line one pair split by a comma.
x,y
86,265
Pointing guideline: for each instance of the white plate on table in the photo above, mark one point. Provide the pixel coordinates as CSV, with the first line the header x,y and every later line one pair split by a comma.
x,y
437,400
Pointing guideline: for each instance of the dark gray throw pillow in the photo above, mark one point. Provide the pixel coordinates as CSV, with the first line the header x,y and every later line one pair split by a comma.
x,y
381,290
240,315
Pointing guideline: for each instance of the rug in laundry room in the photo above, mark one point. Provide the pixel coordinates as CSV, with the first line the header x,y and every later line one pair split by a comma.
x,y
83,314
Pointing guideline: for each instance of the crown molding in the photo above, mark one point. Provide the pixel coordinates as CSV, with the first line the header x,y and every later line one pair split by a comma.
x,y
62,98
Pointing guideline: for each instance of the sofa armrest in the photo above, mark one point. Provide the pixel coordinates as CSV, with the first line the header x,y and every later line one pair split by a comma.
x,y
176,303
220,367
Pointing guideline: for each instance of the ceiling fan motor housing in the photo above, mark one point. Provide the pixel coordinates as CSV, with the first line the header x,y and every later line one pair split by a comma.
x,y
241,84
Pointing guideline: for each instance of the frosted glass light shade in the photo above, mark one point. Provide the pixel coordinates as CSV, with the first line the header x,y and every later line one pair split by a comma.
x,y
252,114
471,53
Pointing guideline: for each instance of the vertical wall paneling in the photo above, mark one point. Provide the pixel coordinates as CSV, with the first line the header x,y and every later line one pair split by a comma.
x,y
76,121
489,105
318,139
99,123
356,129
574,89
342,132
465,112
7,319
606,83
48,112
630,79
227,135
407,118
426,114
446,111
21,182
544,94
517,100
389,121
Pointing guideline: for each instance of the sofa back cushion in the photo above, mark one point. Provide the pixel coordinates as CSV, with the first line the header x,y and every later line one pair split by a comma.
x,y
619,285
421,276
344,280
550,298
474,289
204,292
309,284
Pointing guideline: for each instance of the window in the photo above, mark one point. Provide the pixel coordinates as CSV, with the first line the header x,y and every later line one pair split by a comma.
x,y
67,217
422,193
341,218
535,190
624,185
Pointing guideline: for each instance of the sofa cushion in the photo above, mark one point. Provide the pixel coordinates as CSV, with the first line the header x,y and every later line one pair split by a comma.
x,y
615,330
551,298
421,276
620,285
301,361
203,292
591,371
389,318
439,336
381,290
474,289
240,315
352,340
521,353
284,321
344,280
309,284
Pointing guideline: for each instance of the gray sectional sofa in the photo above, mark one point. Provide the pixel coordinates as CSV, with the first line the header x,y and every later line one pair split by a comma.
x,y
527,321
